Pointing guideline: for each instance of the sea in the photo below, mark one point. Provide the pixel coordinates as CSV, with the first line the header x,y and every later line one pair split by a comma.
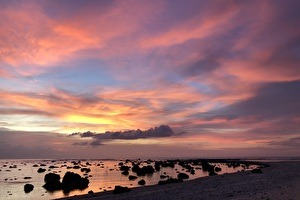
x,y
104,176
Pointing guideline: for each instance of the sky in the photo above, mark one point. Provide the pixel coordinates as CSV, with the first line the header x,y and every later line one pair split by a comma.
x,y
161,78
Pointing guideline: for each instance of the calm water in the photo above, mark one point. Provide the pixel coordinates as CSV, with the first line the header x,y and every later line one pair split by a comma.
x,y
105,174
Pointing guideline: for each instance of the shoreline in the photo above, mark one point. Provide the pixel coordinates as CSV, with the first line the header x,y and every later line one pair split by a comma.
x,y
281,180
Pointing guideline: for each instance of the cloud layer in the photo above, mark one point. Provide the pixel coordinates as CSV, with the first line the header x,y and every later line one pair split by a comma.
x,y
226,73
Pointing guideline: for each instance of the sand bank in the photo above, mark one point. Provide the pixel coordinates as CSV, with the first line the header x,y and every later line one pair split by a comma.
x,y
279,181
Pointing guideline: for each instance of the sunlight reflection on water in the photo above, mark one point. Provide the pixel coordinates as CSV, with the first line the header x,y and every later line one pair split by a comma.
x,y
105,174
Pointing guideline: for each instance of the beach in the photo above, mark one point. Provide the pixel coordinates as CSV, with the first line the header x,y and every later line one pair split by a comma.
x,y
281,180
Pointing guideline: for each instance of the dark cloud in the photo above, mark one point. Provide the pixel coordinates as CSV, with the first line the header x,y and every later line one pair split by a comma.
x,y
161,131
94,143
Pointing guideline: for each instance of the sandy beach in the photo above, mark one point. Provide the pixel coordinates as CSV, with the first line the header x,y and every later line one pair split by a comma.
x,y
279,181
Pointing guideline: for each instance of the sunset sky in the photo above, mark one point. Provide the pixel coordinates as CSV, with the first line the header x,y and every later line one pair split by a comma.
x,y
222,77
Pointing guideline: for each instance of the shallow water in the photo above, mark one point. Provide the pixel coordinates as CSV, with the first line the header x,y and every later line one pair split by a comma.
x,y
105,174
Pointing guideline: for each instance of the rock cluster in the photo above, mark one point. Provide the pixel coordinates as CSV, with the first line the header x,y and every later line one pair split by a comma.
x,y
70,181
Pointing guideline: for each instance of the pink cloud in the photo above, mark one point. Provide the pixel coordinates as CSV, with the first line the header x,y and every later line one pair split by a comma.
x,y
31,40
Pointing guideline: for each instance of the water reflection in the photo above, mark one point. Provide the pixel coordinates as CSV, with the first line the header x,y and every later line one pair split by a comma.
x,y
103,175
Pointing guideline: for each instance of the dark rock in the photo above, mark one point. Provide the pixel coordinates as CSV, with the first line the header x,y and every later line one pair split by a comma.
x,y
142,182
76,167
148,169
218,169
256,171
212,173
28,188
91,192
124,168
27,177
35,165
170,180
157,165
52,182
86,170
234,165
51,177
72,181
163,176
182,176
168,164
207,167
143,171
135,168
132,177
126,173
41,170
119,189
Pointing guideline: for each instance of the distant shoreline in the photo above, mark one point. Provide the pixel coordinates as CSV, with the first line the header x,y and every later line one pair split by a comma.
x,y
281,180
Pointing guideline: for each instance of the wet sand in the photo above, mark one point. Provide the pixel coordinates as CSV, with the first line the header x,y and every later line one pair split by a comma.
x,y
279,181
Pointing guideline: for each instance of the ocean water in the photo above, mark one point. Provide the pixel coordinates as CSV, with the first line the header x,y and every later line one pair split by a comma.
x,y
104,175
